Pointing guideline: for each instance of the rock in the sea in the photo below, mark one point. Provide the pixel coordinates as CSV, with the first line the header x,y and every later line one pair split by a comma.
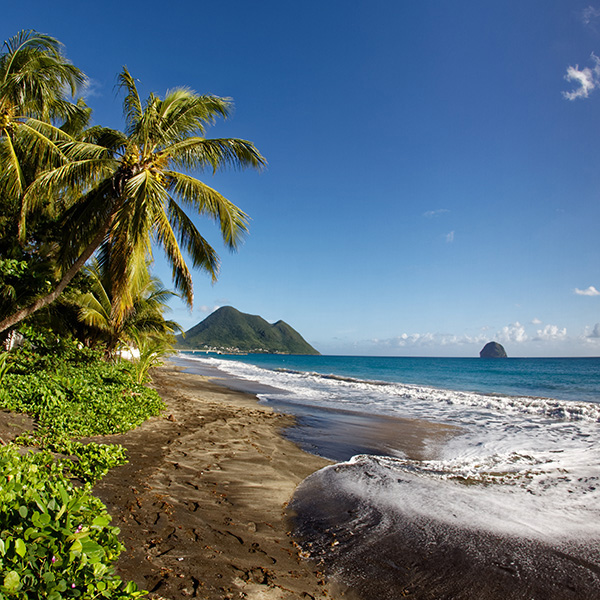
x,y
493,350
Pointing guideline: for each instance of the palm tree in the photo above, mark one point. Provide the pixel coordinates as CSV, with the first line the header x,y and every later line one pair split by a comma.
x,y
134,191
144,319
37,85
34,82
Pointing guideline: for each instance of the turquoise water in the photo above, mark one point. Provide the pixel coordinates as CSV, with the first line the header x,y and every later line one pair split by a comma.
x,y
575,379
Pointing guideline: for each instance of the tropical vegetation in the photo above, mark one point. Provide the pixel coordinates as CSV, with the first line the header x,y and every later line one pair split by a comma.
x,y
82,210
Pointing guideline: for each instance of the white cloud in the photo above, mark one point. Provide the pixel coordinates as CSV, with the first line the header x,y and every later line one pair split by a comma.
x,y
428,340
536,321
590,291
587,79
551,332
91,89
450,237
515,332
593,333
435,213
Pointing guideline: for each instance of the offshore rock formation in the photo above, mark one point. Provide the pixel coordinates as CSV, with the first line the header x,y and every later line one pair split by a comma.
x,y
493,350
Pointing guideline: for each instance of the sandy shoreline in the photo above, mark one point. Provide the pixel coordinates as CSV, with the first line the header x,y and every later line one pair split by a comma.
x,y
202,510
201,503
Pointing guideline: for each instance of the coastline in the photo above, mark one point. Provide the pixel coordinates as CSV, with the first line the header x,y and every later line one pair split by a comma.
x,y
202,506
201,503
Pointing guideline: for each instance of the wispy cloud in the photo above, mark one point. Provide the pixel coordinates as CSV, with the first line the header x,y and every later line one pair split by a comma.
x,y
536,321
91,89
593,332
591,291
208,309
589,15
587,79
430,214
428,340
450,237
516,337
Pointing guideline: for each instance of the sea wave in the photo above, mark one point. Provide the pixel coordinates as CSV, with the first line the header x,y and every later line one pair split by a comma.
x,y
396,398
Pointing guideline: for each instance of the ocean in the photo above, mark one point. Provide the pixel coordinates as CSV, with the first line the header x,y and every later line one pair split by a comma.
x,y
506,503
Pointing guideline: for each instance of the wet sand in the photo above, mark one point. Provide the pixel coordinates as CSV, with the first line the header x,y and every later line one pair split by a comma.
x,y
396,554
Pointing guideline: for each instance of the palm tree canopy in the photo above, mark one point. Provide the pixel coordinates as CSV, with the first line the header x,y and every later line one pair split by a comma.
x,y
144,317
35,110
136,184
34,75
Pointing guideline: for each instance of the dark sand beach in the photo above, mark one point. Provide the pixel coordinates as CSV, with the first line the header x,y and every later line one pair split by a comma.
x,y
202,502
205,510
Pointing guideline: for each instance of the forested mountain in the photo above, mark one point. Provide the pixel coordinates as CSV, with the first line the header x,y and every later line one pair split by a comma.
x,y
228,329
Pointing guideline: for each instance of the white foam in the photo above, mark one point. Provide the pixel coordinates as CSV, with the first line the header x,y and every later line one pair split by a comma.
x,y
482,497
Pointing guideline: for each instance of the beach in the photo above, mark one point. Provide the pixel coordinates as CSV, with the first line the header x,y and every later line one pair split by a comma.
x,y
201,503
217,502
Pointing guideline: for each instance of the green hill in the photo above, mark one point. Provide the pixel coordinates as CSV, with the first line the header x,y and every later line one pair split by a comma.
x,y
230,330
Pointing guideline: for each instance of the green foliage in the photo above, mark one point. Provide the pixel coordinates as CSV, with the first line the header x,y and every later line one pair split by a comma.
x,y
90,462
151,351
4,365
21,280
87,463
144,319
74,400
43,348
55,539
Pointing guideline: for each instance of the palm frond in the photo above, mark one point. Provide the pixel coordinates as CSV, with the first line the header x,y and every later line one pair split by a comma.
x,y
201,252
33,73
183,113
200,153
111,139
77,174
39,147
181,275
145,197
81,222
132,105
11,179
207,201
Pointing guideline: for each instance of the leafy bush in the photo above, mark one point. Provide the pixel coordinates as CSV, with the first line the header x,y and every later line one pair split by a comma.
x,y
55,540
75,399
87,463
91,462
4,365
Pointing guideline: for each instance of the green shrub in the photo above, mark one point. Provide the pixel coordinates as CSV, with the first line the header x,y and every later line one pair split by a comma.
x,y
55,539
4,365
74,399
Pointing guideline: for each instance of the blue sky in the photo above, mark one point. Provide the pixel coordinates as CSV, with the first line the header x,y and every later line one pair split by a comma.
x,y
434,166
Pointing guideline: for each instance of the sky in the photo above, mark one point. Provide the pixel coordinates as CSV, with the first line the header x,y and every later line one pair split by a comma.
x,y
433,178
